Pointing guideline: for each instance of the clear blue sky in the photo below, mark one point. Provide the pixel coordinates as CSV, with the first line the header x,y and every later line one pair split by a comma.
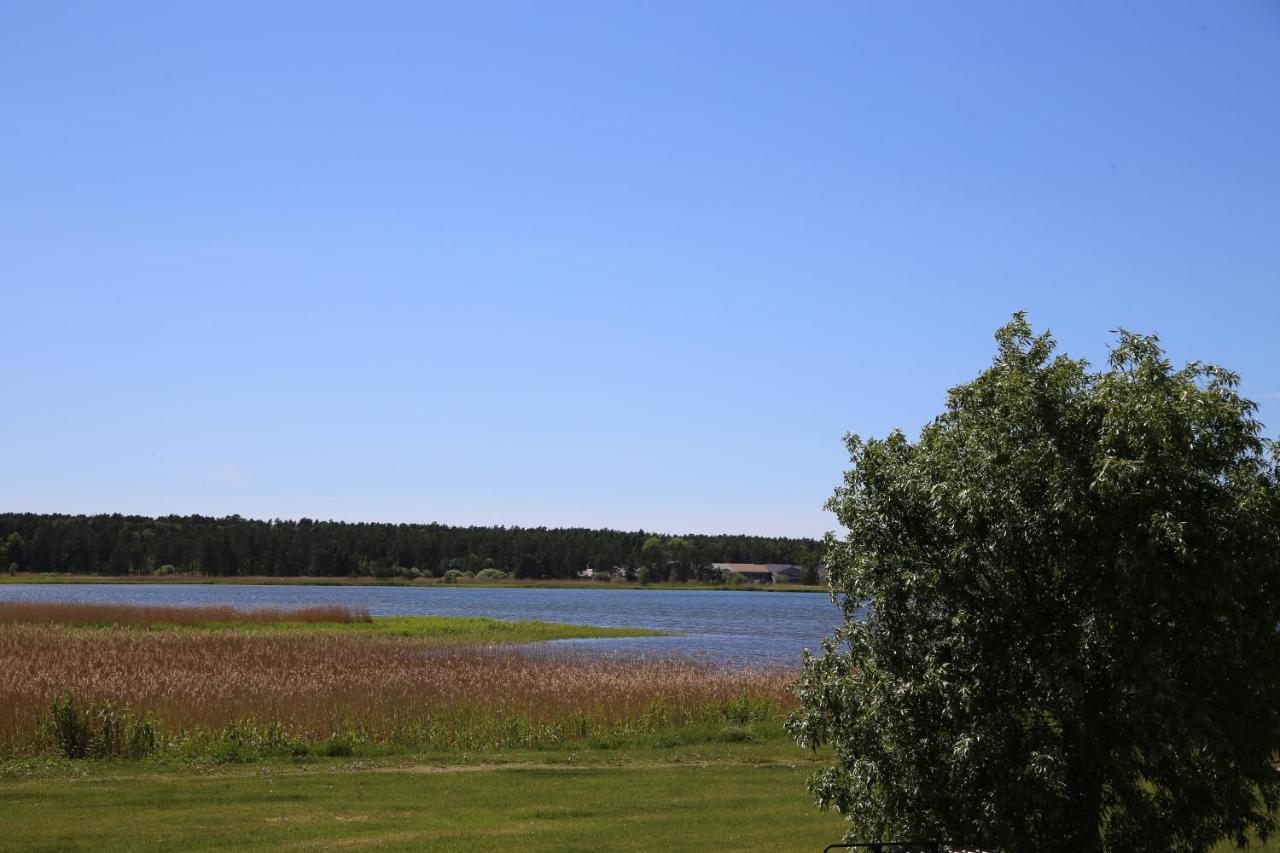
x,y
619,264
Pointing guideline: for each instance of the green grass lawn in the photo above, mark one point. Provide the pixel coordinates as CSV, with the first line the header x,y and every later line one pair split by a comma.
x,y
717,797
707,796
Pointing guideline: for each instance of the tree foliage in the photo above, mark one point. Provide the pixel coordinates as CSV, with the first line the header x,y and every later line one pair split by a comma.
x,y
120,544
1061,608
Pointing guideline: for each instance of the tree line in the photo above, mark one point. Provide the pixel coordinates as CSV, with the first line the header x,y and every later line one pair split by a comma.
x,y
130,544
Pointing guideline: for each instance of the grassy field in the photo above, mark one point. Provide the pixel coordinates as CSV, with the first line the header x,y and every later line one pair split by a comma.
x,y
742,797
26,578
119,732
727,797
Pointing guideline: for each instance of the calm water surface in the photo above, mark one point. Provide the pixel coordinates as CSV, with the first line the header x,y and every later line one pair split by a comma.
x,y
745,627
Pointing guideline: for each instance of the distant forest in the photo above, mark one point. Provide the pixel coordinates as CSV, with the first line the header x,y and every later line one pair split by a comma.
x,y
193,544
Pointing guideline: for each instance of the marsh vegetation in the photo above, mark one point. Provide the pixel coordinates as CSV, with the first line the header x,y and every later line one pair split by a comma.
x,y
243,688
94,613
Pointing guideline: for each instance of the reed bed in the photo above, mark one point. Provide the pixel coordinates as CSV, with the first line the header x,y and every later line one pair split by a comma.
x,y
283,691
76,613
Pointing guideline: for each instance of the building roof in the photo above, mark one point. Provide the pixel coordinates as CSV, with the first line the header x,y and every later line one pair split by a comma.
x,y
744,568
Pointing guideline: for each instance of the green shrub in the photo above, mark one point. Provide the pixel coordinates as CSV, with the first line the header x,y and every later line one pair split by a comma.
x,y
99,730
142,738
107,730
231,752
735,734
337,747
747,709
69,728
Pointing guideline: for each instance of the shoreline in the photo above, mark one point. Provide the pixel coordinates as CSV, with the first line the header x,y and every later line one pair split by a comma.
x,y
21,579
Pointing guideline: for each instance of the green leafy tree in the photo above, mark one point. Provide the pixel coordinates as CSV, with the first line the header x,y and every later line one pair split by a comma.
x,y
679,559
11,552
653,553
1061,608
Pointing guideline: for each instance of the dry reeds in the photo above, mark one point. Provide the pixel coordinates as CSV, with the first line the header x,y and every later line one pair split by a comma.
x,y
307,688
76,613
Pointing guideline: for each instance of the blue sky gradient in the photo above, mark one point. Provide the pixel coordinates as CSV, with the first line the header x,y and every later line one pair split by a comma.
x,y
595,264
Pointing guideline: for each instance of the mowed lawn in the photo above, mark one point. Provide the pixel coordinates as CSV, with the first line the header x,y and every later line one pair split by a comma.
x,y
680,804
748,798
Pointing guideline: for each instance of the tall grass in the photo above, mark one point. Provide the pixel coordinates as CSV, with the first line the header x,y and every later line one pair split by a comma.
x,y
294,691
134,614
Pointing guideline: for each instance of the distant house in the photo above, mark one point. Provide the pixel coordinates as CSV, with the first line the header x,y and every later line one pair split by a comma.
x,y
612,572
750,572
785,572
768,572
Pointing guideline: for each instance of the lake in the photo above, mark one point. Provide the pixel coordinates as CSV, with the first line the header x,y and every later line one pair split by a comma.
x,y
742,627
